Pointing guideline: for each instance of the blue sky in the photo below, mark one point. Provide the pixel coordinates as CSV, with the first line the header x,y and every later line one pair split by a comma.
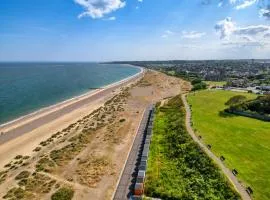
x,y
104,30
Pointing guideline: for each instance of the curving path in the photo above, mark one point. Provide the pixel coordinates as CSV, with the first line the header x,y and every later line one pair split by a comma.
x,y
239,188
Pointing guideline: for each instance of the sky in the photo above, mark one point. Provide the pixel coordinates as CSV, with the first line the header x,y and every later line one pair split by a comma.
x,y
110,30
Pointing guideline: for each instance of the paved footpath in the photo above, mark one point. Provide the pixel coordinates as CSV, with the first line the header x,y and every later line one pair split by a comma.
x,y
239,188
128,177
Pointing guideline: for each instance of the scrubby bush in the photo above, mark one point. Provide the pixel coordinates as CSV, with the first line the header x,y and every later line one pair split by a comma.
x,y
37,149
18,157
196,81
236,100
122,120
23,175
199,86
63,193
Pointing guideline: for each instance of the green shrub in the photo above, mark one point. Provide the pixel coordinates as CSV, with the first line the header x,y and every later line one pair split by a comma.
x,y
18,157
196,81
122,120
37,149
23,175
236,100
63,193
199,86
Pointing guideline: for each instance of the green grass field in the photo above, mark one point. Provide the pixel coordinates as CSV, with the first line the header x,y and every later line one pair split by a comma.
x,y
244,142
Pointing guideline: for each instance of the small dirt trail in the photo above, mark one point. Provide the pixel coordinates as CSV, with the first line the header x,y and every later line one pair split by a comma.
x,y
77,186
239,188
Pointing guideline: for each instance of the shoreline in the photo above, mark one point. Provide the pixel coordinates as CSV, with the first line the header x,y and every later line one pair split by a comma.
x,y
48,109
84,140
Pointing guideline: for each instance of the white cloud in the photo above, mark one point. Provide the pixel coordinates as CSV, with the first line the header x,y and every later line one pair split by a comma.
x,y
220,4
252,30
242,4
167,34
140,0
192,34
247,38
225,27
99,8
110,18
267,35
230,33
246,44
246,4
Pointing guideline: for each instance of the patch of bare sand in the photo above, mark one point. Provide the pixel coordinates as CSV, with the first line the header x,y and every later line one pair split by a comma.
x,y
89,154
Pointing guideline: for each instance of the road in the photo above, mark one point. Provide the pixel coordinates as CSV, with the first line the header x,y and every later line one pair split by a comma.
x,y
239,188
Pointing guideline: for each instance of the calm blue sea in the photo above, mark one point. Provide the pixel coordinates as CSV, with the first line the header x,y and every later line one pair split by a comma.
x,y
27,87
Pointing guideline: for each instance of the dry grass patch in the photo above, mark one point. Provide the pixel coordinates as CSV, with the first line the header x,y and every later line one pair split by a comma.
x,y
90,171
37,183
30,187
45,164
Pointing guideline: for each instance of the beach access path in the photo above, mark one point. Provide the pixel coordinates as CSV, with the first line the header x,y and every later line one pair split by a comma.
x,y
238,187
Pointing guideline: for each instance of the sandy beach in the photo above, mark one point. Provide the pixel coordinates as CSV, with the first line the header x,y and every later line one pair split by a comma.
x,y
81,143
22,132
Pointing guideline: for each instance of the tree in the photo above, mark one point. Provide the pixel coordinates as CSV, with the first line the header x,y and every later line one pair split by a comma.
x,y
199,86
196,81
236,100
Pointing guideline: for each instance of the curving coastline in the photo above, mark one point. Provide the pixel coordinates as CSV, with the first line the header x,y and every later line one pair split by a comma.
x,y
17,127
50,108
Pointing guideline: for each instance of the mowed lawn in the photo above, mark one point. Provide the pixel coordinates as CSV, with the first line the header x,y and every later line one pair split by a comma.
x,y
244,142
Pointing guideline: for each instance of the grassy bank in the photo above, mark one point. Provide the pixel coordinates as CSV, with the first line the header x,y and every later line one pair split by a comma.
x,y
177,168
244,142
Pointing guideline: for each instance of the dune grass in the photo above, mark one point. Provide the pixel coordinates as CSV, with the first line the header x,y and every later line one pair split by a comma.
x,y
244,142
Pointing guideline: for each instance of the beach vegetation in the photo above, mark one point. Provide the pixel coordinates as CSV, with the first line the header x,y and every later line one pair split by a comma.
x,y
45,164
122,120
68,152
23,175
25,163
18,157
37,183
64,193
37,149
8,165
25,157
91,170
17,193
3,175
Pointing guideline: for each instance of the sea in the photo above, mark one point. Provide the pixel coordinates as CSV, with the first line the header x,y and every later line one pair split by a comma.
x,y
28,87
